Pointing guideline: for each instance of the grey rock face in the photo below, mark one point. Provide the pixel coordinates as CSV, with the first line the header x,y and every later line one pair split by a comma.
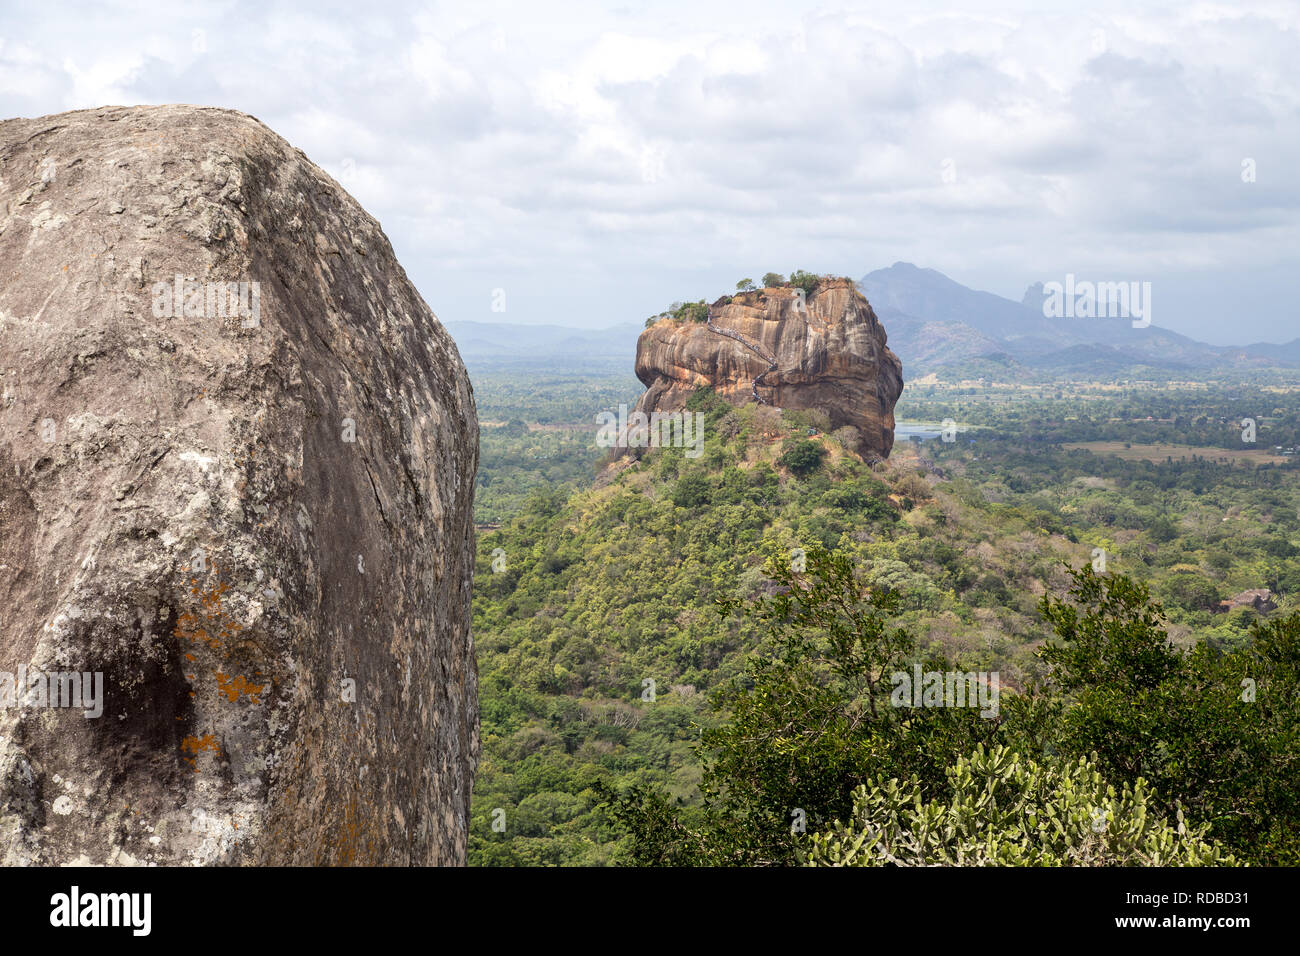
x,y
247,507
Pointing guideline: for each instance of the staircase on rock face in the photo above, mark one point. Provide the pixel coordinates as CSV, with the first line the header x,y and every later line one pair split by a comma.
x,y
754,347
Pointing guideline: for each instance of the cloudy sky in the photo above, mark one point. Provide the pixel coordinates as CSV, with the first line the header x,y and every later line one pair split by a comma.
x,y
597,161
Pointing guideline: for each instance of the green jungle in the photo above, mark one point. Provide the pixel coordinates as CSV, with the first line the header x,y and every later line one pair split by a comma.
x,y
691,661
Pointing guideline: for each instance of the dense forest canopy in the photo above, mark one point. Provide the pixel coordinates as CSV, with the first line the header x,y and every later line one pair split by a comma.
x,y
1065,528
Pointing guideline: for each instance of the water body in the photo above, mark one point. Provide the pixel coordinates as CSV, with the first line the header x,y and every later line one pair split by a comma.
x,y
915,431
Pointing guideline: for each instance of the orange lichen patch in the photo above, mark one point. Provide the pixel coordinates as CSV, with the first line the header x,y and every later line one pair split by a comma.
x,y
196,745
233,687
187,625
211,599
195,625
209,624
347,845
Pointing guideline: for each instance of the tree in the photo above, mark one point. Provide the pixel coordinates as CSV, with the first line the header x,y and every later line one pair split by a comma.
x,y
804,280
773,279
802,456
691,491
1192,592
1008,810
745,285
1217,731
689,311
810,720
1203,738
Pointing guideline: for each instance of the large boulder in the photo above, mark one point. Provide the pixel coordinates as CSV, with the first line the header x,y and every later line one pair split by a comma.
x,y
245,509
823,351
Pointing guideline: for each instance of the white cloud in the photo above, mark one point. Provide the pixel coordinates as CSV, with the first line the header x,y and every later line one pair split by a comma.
x,y
660,153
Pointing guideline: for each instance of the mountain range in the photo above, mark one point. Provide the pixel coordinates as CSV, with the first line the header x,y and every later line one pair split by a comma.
x,y
935,322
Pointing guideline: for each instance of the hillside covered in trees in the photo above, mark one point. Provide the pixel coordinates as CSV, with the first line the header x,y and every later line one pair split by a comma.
x,y
682,662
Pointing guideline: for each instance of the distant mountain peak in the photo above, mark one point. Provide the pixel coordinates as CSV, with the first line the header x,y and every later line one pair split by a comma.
x,y
1033,297
934,320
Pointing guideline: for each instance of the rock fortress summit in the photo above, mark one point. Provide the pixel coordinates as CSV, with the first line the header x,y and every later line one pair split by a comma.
x,y
824,349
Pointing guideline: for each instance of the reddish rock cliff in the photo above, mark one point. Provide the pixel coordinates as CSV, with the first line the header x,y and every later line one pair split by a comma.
x,y
829,353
